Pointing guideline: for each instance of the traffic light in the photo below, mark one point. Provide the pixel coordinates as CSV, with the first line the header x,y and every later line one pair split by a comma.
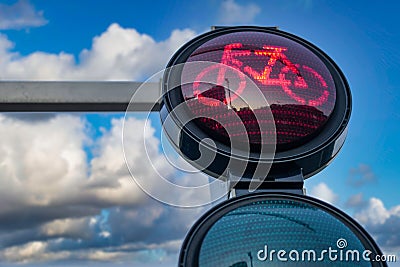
x,y
263,110
264,96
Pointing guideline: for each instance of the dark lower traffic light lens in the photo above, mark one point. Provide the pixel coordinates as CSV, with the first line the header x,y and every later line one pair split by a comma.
x,y
277,230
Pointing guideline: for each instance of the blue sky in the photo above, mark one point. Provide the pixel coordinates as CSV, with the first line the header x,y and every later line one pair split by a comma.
x,y
83,40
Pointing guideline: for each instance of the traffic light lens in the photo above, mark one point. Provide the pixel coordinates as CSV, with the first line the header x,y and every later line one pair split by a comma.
x,y
297,85
278,230
280,225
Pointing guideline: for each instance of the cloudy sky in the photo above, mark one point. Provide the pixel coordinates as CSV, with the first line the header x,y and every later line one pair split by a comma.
x,y
66,195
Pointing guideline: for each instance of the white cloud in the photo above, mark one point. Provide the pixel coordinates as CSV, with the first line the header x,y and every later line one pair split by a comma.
x,y
70,227
38,160
46,177
232,13
109,162
117,54
5,46
131,254
382,223
21,15
375,213
322,191
32,251
41,165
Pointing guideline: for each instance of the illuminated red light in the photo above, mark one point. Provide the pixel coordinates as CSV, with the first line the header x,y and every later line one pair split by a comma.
x,y
299,88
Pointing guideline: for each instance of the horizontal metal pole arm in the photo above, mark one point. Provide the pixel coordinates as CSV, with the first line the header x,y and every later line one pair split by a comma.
x,y
85,96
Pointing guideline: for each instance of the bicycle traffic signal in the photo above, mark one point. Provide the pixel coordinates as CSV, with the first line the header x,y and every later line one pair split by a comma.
x,y
266,99
262,109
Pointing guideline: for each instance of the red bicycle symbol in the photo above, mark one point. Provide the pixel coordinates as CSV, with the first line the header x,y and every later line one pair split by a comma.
x,y
274,53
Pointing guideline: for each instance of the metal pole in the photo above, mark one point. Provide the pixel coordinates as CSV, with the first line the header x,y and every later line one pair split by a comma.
x,y
43,96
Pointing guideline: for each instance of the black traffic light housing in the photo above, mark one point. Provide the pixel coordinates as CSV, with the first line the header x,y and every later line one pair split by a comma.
x,y
310,157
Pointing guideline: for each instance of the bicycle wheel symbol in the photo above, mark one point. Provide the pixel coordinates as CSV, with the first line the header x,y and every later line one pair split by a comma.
x,y
297,84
